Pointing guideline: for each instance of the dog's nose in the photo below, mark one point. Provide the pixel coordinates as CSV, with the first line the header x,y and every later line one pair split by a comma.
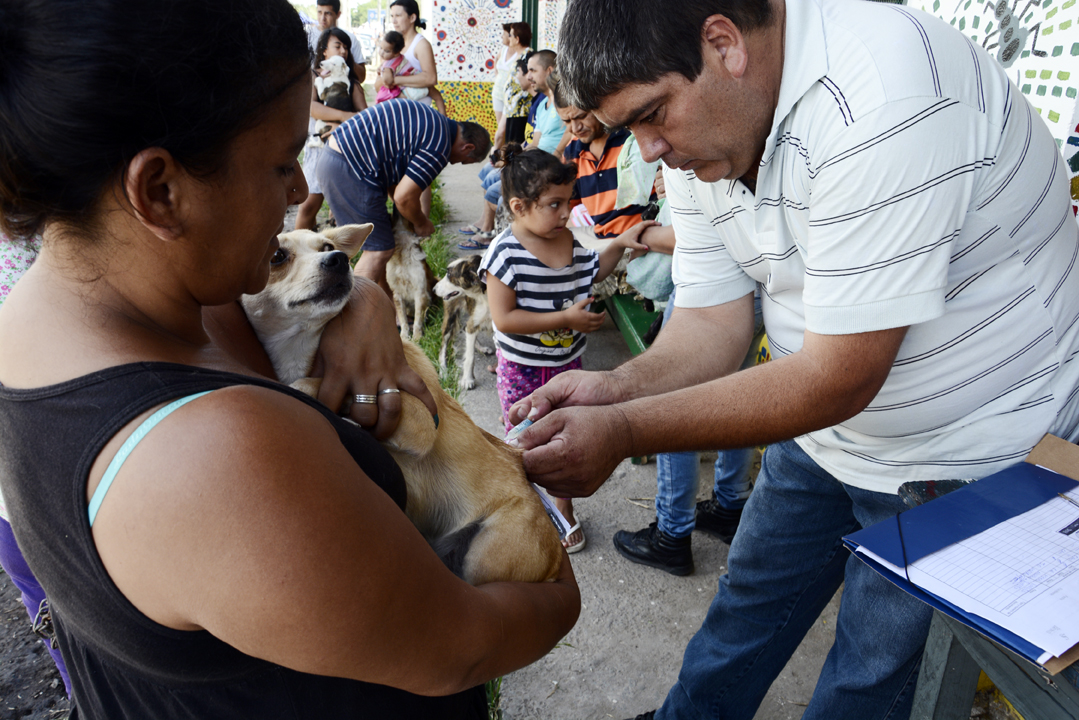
x,y
336,260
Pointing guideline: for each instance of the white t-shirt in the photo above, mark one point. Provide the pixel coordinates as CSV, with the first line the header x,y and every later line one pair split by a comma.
x,y
905,182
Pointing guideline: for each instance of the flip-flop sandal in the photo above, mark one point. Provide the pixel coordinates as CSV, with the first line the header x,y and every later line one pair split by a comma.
x,y
469,230
576,547
472,244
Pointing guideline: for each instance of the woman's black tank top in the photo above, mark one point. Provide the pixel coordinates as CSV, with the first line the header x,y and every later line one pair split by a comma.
x,y
124,665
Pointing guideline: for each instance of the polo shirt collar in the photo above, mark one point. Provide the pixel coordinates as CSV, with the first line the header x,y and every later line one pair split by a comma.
x,y
805,58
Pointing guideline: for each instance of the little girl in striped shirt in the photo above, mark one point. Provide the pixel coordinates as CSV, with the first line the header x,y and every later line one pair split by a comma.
x,y
539,283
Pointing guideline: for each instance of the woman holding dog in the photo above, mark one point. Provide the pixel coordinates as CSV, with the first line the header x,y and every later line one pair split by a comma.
x,y
247,553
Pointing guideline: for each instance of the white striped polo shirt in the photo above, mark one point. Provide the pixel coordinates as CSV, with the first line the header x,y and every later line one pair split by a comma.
x,y
540,289
905,182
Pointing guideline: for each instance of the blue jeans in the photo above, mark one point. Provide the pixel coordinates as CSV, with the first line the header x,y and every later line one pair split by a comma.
x,y
676,486
676,473
491,179
785,564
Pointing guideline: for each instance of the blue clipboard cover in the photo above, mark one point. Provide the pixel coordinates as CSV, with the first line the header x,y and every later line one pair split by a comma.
x,y
964,513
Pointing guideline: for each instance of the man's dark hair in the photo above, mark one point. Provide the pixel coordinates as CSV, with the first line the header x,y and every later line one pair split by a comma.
x,y
477,135
641,40
547,58
522,62
335,4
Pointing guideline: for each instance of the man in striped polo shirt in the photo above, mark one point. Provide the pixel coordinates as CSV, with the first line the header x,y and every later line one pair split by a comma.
x,y
905,214
393,149
595,153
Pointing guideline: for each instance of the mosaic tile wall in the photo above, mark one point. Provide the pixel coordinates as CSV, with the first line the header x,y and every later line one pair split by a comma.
x,y
467,38
469,101
551,12
1039,46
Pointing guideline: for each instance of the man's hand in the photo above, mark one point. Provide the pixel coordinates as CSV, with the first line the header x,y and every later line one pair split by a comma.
x,y
580,318
572,388
573,451
425,229
361,354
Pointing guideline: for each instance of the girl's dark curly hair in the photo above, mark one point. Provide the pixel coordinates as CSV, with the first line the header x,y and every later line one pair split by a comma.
x,y
527,173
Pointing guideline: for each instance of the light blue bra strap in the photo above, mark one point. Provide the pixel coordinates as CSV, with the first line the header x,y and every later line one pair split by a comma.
x,y
129,445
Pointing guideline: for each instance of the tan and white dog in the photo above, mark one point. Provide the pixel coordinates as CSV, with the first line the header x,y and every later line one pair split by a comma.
x,y
464,296
407,275
467,491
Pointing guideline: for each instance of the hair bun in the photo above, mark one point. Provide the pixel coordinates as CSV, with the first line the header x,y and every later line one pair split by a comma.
x,y
507,153
421,24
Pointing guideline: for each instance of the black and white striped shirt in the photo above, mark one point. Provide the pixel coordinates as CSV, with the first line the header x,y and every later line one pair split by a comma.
x,y
540,289
906,182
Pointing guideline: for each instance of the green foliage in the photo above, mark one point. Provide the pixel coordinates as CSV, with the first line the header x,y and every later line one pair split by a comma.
x,y
494,699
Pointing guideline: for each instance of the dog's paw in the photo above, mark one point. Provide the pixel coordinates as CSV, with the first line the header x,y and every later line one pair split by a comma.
x,y
467,383
485,349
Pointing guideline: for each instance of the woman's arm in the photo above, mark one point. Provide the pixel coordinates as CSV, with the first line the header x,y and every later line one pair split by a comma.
x,y
359,99
509,318
428,74
260,528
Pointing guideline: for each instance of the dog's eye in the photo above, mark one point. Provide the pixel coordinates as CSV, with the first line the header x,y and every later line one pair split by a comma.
x,y
326,247
279,257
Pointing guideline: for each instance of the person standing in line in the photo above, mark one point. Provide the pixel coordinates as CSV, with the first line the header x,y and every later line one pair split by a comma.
x,y
515,38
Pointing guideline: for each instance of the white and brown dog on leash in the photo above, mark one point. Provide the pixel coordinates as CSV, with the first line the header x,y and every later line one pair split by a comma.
x,y
464,297
467,490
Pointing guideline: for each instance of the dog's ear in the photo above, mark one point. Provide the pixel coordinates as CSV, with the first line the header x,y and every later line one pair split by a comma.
x,y
349,239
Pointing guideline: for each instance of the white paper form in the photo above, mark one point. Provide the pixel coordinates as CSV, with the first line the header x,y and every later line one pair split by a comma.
x,y
1022,574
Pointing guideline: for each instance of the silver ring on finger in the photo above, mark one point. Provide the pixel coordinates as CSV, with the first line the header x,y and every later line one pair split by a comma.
x,y
389,391
365,399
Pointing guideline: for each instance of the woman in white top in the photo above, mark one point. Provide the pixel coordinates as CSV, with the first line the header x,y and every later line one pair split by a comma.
x,y
516,37
405,17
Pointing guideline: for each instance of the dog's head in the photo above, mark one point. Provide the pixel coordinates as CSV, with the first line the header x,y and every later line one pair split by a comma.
x,y
336,68
462,276
310,280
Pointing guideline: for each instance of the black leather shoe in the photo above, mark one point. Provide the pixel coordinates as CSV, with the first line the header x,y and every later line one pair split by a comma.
x,y
717,520
646,716
657,549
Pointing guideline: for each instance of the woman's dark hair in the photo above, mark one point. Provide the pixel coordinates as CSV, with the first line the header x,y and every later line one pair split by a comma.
x,y
641,41
187,76
522,31
527,173
395,39
411,8
324,42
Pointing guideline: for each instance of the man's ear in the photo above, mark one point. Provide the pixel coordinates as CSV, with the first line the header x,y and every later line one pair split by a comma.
x,y
152,186
467,149
725,41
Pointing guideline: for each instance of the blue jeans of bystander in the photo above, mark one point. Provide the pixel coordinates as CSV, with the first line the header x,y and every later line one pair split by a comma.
x,y
785,564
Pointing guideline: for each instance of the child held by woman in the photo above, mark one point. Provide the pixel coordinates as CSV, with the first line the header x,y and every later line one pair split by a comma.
x,y
539,282
391,48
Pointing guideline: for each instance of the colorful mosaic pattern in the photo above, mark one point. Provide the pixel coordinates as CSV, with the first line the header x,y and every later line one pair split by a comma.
x,y
550,22
1037,42
469,101
1071,154
467,37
